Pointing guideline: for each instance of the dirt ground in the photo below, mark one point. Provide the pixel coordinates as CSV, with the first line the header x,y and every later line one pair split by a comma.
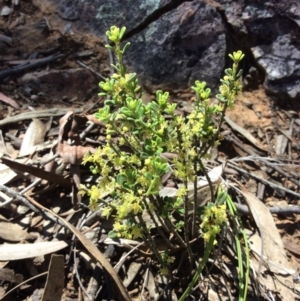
x,y
67,67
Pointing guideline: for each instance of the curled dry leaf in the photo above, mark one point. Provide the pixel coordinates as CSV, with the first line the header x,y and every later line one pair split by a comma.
x,y
93,119
9,101
68,129
72,154
34,135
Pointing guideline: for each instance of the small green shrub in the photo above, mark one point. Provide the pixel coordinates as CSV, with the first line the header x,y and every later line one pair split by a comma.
x,y
133,162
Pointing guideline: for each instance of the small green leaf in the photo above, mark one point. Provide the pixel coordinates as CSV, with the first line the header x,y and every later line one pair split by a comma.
x,y
148,176
112,234
120,179
109,102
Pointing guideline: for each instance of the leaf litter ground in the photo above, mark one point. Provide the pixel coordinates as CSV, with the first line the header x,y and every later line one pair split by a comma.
x,y
52,248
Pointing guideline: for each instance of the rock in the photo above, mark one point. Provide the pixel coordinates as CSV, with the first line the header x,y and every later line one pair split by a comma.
x,y
281,62
185,44
271,31
69,9
175,42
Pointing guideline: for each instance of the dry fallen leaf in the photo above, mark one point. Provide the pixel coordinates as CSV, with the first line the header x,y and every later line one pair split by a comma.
x,y
271,249
244,133
150,284
6,174
38,172
9,101
9,275
131,273
281,144
21,251
13,232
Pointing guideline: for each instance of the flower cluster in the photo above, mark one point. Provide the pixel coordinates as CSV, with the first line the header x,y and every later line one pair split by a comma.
x,y
213,220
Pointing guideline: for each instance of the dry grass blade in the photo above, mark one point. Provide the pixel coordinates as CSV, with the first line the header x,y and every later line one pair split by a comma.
x,y
91,248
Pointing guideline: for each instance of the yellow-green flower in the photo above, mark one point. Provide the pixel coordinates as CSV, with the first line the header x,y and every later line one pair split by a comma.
x,y
164,271
106,211
181,192
94,193
118,227
124,210
136,232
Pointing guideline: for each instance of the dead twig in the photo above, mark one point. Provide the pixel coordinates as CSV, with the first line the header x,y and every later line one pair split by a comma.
x,y
272,185
90,69
22,68
38,114
284,210
28,204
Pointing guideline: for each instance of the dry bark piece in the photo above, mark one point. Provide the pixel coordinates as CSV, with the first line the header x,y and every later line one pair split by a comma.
x,y
55,280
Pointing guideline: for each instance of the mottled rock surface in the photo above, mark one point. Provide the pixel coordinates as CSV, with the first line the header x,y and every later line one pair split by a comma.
x,y
271,31
176,50
176,42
